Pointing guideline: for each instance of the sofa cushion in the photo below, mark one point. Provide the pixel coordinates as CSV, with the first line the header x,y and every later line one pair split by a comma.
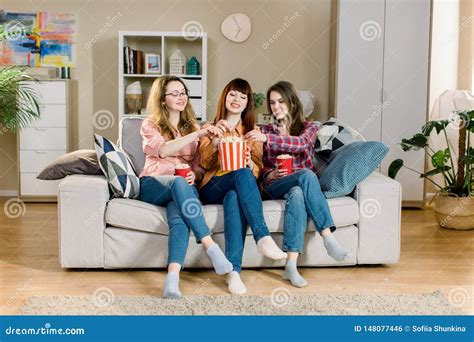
x,y
350,165
80,162
123,181
138,215
130,141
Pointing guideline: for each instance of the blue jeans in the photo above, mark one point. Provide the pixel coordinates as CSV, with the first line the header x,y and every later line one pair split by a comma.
x,y
235,228
238,191
183,209
316,205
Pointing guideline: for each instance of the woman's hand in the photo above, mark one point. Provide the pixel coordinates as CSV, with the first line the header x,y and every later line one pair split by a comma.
x,y
210,130
256,135
277,173
223,126
248,158
190,177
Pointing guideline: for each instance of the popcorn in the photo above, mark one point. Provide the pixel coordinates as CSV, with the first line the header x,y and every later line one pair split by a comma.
x,y
231,139
284,156
182,166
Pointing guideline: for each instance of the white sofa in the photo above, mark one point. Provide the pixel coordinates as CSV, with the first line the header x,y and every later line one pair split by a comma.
x,y
98,232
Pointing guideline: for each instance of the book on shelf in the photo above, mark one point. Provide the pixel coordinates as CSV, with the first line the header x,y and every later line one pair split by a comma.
x,y
133,61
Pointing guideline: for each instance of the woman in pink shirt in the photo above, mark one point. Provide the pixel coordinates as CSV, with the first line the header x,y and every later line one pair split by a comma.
x,y
170,137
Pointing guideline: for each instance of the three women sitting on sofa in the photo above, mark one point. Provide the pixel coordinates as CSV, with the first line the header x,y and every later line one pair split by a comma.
x,y
172,136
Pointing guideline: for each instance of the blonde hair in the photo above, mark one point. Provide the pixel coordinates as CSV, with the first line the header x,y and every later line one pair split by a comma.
x,y
160,115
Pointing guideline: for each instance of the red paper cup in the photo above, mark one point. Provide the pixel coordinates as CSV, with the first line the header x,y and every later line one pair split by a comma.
x,y
284,162
232,155
183,172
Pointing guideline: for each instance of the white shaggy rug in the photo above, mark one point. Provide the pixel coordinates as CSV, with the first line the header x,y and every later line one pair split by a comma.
x,y
282,303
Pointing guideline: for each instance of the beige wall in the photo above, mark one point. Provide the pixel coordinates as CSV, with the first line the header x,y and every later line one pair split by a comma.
x,y
300,52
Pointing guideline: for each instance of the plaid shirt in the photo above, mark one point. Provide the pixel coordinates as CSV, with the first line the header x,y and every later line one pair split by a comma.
x,y
300,147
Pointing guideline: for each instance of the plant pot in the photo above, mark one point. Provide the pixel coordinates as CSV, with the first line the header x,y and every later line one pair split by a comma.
x,y
454,212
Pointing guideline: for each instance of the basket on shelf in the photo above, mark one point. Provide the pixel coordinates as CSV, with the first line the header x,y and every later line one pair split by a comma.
x,y
177,63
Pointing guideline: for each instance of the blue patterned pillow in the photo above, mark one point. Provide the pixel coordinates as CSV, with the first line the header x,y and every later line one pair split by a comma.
x,y
123,182
349,165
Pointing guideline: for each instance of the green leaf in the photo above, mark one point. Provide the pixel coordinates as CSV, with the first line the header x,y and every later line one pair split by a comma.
x,y
416,142
440,158
394,167
434,172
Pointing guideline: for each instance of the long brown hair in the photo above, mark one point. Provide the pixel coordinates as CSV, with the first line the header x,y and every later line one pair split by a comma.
x,y
295,108
160,115
248,115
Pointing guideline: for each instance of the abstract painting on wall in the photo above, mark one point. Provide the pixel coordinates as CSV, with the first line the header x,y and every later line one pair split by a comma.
x,y
37,39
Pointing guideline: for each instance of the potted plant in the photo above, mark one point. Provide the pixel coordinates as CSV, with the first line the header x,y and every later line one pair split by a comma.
x,y
454,203
19,102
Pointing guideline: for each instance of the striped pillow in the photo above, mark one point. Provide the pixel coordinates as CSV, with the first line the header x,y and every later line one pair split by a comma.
x,y
349,165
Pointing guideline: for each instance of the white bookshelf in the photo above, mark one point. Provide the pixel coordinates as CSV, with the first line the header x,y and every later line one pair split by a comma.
x,y
163,44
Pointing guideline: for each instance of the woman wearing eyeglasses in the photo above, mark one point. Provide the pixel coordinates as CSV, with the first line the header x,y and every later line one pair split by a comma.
x,y
170,136
237,190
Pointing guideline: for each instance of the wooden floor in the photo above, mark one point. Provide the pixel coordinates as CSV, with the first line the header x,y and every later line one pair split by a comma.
x,y
432,259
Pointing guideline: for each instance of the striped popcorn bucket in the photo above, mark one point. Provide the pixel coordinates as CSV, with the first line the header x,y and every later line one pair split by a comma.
x,y
232,155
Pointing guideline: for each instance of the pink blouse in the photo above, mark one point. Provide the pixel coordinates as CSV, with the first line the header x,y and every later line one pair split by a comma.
x,y
152,140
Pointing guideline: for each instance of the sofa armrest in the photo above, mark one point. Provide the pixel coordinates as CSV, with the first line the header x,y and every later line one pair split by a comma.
x,y
379,198
81,211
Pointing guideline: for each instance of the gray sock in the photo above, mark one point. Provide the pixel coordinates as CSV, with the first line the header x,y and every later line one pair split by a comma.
x,y
334,249
171,288
292,274
218,259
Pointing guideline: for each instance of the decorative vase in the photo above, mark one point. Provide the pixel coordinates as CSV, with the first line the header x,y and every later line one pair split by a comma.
x,y
133,97
454,212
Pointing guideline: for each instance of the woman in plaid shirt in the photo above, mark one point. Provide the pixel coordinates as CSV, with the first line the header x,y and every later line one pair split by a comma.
x,y
291,134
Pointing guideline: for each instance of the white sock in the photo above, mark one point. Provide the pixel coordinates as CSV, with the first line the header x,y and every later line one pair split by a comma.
x,y
235,284
269,248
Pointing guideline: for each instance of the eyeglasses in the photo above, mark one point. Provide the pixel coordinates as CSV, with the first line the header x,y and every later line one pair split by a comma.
x,y
177,94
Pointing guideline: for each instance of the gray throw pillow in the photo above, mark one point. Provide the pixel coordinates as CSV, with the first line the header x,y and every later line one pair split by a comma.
x,y
80,162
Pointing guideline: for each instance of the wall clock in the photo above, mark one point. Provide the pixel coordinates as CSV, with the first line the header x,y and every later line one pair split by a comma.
x,y
236,27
